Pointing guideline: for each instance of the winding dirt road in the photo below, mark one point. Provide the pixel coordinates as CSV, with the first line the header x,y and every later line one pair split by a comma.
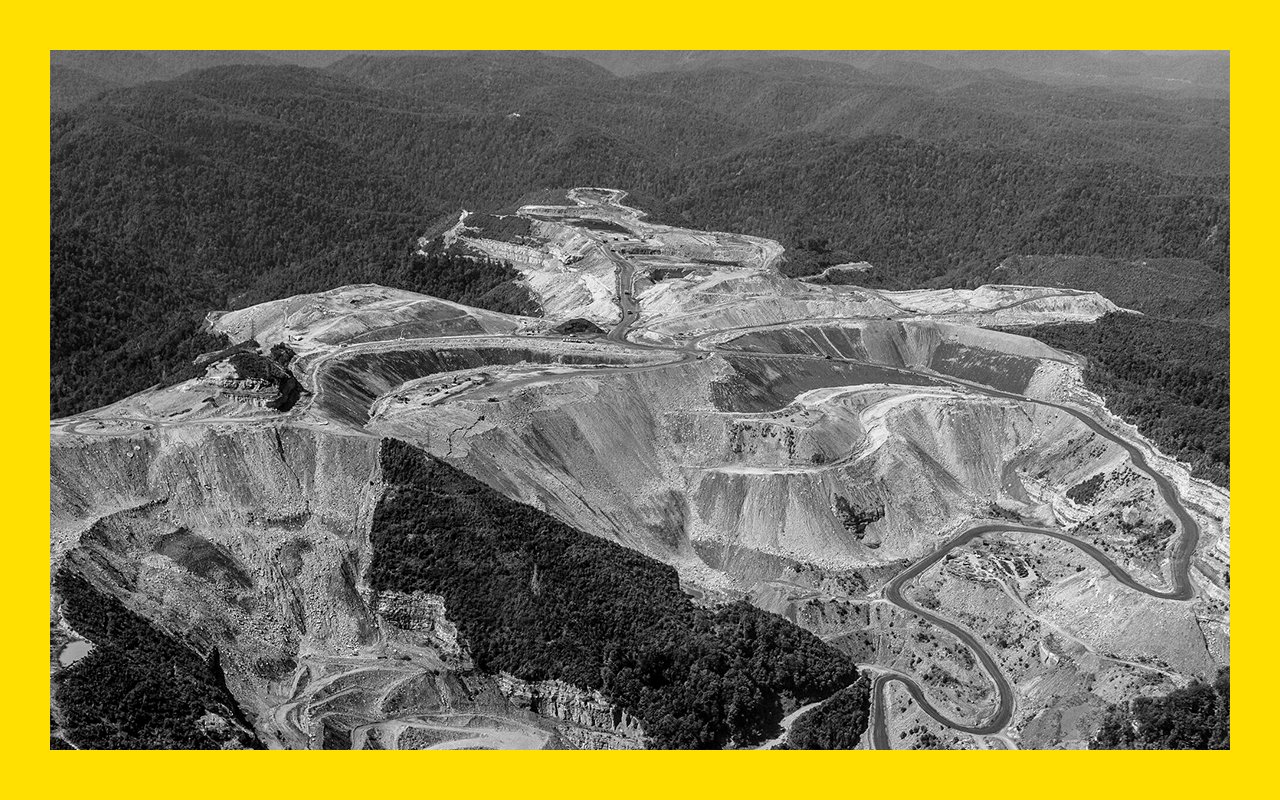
x,y
1179,565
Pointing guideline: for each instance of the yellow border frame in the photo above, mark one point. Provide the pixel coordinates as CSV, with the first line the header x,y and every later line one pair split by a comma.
x,y
501,24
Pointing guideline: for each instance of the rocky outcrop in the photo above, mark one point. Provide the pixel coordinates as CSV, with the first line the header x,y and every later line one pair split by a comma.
x,y
421,613
594,722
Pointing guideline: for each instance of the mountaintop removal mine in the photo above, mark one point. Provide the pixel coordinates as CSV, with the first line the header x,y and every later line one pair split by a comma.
x,y
933,502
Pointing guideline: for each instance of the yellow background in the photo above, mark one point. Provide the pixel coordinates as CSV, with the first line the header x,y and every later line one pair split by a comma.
x,y
32,29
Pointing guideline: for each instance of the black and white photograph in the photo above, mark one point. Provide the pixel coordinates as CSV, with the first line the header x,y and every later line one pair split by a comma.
x,y
639,400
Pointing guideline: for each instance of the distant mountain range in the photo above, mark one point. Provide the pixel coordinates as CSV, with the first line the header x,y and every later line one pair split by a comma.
x,y
1201,72
78,75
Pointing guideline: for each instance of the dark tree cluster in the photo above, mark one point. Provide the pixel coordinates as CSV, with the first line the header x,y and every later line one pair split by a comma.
x,y
602,225
857,519
139,688
1086,490
506,228
539,599
252,364
577,326
472,280
814,254
837,724
668,273
282,354
1197,717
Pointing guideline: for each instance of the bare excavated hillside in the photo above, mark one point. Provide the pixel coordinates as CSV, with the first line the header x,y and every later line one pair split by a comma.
x,y
388,556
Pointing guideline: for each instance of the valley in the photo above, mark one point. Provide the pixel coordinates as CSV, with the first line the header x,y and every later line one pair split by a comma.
x,y
938,501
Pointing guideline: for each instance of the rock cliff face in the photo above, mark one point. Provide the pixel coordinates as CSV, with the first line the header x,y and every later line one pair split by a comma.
x,y
595,724
421,613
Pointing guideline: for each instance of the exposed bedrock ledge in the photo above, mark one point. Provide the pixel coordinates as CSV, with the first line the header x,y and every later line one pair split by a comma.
x,y
581,708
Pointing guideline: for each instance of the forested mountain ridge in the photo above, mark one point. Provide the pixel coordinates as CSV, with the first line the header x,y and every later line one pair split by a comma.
x,y
757,98
238,184
1169,74
1193,73
76,76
